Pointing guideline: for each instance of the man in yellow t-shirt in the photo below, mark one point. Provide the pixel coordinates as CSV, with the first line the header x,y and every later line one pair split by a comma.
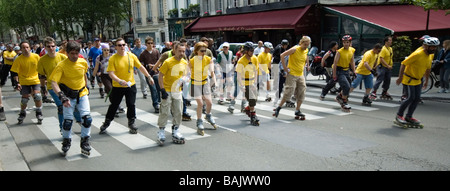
x,y
413,69
365,71
25,66
264,63
46,65
247,73
69,83
384,70
121,70
343,61
295,80
8,57
170,79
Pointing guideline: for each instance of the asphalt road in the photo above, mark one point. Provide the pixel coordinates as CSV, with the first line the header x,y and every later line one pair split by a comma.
x,y
329,140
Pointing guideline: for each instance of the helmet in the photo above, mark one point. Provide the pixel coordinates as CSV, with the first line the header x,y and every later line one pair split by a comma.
x,y
284,42
346,37
424,37
431,41
268,45
248,46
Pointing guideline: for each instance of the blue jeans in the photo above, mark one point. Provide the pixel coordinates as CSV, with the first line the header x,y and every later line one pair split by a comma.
x,y
60,109
344,80
84,109
368,81
155,91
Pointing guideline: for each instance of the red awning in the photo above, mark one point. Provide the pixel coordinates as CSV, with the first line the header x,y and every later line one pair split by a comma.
x,y
397,18
279,19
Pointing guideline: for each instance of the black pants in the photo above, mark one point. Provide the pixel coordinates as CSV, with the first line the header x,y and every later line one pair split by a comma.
x,y
6,70
411,101
117,96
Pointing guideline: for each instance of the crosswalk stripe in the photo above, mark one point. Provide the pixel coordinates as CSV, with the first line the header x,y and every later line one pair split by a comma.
x,y
121,133
152,119
334,103
237,111
194,117
359,95
51,130
305,106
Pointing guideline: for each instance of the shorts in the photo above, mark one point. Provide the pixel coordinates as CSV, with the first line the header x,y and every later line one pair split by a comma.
x,y
368,81
28,89
200,90
294,85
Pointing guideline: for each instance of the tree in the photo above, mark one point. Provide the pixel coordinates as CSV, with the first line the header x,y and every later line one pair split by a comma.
x,y
431,4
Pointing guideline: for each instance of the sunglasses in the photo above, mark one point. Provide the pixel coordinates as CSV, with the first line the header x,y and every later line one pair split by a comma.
x,y
149,42
51,46
120,45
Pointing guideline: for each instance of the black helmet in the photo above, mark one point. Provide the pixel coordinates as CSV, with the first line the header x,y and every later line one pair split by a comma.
x,y
284,42
248,46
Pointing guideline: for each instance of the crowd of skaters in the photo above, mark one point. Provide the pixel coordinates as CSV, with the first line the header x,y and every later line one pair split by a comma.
x,y
197,68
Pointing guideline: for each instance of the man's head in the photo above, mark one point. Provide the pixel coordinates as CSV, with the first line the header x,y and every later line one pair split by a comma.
x,y
377,48
50,45
149,42
305,42
120,45
97,42
430,44
72,49
346,41
388,41
25,48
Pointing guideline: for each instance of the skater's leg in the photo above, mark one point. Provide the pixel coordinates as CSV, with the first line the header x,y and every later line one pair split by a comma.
x,y
164,111
387,80
410,91
176,108
288,89
86,120
116,97
300,91
130,100
68,119
416,90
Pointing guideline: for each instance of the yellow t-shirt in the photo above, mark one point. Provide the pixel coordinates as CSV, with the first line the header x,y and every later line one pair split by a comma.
x,y
370,57
26,68
297,61
345,56
123,67
248,71
199,70
264,60
415,66
47,64
71,74
387,55
9,54
173,70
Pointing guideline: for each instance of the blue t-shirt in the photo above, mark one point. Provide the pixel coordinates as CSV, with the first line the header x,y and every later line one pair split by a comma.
x,y
93,53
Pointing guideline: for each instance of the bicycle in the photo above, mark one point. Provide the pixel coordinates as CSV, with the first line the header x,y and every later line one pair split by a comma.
x,y
432,81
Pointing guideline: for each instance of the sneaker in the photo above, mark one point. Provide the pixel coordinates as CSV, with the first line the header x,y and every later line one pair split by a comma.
x,y
446,91
442,90
322,97
400,119
412,120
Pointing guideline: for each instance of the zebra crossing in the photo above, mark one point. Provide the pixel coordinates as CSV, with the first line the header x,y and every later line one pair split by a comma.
x,y
312,107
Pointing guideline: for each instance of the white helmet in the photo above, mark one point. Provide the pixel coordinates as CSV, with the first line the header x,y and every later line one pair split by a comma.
x,y
268,45
431,41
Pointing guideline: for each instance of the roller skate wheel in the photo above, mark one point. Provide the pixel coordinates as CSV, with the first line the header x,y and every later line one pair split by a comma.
x,y
133,131
86,153
201,132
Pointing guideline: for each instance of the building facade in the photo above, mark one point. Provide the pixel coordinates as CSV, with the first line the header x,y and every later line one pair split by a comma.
x,y
150,19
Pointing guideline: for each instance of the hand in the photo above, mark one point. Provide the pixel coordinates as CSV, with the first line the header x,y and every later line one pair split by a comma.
x,y
64,100
399,80
164,94
18,87
334,77
150,80
425,85
122,82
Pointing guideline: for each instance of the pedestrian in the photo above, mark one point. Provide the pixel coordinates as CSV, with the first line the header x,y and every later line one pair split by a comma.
x,y
95,51
327,63
247,74
46,66
384,70
8,59
343,61
2,109
170,77
201,66
295,80
137,50
149,57
27,77
101,67
365,71
69,82
259,49
443,59
278,75
416,66
120,69
264,63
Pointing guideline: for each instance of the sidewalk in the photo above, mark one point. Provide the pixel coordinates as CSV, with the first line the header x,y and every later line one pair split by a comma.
x,y
11,159
394,90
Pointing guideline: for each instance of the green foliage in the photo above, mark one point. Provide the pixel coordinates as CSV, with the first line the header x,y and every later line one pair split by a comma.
x,y
431,4
401,47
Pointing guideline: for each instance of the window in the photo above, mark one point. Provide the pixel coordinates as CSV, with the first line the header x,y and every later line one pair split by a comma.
x,y
138,10
149,11
349,26
161,8
175,4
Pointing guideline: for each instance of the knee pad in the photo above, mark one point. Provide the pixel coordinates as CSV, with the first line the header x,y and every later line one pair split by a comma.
x,y
252,102
87,121
37,97
24,101
67,124
60,109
